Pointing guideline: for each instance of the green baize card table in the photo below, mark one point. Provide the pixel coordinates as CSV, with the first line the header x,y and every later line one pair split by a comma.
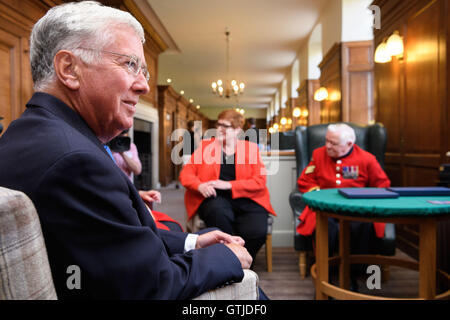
x,y
425,211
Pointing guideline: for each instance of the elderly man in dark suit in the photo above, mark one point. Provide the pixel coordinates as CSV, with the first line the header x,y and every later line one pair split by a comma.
x,y
88,68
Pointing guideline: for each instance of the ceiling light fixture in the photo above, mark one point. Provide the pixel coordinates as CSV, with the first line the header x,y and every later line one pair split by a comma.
x,y
227,88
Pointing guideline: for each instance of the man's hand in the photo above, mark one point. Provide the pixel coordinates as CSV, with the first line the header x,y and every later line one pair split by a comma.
x,y
216,236
150,196
242,254
234,243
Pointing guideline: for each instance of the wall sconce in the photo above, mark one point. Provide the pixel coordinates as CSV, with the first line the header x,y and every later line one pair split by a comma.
x,y
275,127
296,112
271,130
394,44
283,121
381,54
387,49
321,94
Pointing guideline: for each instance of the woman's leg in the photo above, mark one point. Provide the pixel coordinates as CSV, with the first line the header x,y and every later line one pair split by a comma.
x,y
250,224
217,212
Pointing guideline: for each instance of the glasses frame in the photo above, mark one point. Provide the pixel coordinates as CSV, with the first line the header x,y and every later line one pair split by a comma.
x,y
226,126
134,64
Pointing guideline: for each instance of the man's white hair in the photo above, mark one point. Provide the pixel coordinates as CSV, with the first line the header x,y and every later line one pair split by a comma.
x,y
71,26
346,133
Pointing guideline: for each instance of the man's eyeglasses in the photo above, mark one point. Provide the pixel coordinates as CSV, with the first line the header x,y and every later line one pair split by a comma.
x,y
133,63
223,125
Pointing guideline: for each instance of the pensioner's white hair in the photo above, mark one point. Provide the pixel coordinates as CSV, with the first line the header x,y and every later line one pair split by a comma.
x,y
346,133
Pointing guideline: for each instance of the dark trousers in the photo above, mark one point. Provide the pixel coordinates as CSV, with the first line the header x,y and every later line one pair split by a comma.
x,y
242,217
362,241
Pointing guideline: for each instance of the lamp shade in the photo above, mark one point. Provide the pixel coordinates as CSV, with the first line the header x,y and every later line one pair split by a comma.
x,y
321,94
381,54
394,44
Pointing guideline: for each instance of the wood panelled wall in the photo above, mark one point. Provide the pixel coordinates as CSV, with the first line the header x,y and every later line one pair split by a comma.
x,y
16,21
412,99
347,73
167,106
306,100
331,78
174,112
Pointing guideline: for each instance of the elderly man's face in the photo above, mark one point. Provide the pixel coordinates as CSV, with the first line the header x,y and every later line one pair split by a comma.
x,y
109,92
335,149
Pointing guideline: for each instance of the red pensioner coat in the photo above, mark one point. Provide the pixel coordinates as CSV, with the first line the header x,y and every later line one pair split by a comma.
x,y
356,170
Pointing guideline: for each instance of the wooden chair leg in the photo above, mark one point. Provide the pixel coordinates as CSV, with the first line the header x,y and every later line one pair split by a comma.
x,y
302,264
269,252
385,273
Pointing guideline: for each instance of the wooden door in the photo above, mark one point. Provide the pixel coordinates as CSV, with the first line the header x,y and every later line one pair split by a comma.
x,y
424,131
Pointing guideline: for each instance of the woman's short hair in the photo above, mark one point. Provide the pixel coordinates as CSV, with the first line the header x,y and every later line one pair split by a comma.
x,y
71,26
236,119
346,133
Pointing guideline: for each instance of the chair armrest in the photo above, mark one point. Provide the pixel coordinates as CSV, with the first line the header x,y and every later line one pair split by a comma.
x,y
296,202
247,289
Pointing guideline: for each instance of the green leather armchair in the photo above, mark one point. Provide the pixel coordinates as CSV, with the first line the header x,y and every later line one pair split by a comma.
x,y
371,138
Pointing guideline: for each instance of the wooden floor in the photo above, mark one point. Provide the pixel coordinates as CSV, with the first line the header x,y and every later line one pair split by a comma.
x,y
284,283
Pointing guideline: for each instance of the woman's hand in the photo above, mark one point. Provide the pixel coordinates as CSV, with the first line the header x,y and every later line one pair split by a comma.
x,y
220,184
207,189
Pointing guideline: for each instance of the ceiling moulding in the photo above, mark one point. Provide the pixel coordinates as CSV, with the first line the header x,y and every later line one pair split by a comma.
x,y
144,13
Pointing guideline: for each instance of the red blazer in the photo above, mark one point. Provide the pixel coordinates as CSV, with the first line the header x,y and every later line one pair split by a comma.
x,y
160,217
358,169
204,165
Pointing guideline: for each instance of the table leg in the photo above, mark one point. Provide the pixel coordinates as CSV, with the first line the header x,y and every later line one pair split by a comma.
x,y
344,253
427,259
321,253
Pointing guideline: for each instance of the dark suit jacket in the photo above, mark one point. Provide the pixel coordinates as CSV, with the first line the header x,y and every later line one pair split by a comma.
x,y
93,217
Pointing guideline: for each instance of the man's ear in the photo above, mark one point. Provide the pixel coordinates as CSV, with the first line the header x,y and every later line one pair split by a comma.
x,y
66,69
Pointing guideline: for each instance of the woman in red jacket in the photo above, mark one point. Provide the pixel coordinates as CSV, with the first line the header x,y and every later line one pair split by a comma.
x,y
225,183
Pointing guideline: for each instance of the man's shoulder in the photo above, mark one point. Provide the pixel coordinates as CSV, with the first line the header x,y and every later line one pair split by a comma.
x,y
320,151
360,152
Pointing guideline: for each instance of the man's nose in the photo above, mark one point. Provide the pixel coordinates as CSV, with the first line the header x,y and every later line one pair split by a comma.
x,y
141,85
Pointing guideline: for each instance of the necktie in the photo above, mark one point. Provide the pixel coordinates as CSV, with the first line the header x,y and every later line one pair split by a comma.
x,y
109,152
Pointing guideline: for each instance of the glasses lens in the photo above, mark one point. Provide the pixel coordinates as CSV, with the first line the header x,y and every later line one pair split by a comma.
x,y
135,65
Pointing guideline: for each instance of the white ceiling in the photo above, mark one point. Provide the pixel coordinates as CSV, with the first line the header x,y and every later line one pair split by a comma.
x,y
266,36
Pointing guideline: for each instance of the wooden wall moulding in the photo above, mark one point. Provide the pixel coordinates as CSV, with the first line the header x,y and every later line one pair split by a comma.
x,y
357,82
167,106
347,73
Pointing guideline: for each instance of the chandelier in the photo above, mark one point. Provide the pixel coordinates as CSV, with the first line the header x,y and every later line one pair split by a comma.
x,y
227,88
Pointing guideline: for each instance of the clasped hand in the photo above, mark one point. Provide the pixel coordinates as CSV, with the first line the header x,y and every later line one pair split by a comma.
x,y
208,189
234,243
